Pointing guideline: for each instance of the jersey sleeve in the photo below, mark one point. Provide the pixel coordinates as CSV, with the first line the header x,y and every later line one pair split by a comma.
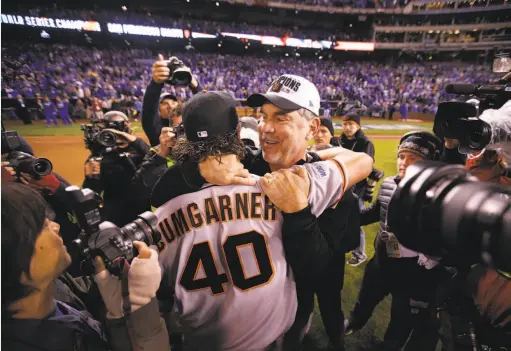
x,y
326,185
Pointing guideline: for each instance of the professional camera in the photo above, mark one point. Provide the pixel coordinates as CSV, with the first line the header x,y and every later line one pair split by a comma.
x,y
460,119
98,140
105,239
22,162
180,75
443,211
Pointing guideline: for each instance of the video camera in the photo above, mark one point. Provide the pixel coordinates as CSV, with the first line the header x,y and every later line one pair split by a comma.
x,y
22,162
460,119
443,211
98,140
105,239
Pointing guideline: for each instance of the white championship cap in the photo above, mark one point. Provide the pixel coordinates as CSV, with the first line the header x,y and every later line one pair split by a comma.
x,y
289,92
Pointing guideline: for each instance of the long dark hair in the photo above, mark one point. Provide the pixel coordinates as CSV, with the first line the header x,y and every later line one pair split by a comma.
x,y
217,146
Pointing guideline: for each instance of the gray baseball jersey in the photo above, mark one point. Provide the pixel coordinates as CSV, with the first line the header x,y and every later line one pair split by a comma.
x,y
222,256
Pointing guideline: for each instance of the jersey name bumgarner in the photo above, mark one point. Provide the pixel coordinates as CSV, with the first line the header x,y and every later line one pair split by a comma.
x,y
223,208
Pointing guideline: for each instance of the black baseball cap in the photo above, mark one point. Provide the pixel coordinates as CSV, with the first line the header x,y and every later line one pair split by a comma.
x,y
209,114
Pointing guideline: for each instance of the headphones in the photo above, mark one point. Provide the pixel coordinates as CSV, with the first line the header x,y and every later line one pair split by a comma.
x,y
438,145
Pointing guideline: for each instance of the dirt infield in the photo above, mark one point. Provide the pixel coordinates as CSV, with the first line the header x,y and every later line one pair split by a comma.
x,y
68,154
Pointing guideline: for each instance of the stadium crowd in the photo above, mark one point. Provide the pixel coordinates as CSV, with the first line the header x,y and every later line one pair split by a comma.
x,y
87,74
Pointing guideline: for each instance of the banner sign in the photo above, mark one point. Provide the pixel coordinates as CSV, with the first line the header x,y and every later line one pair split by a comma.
x,y
45,22
134,29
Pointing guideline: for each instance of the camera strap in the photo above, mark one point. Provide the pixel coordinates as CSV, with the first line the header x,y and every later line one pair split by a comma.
x,y
126,303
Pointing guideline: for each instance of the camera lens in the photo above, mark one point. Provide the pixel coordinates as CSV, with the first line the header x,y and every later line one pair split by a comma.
x,y
144,229
42,166
479,135
181,77
442,210
107,138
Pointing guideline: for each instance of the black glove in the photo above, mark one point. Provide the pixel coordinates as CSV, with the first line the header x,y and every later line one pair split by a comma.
x,y
373,178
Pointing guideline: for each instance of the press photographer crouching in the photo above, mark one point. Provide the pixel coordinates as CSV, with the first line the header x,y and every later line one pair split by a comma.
x,y
115,156
32,317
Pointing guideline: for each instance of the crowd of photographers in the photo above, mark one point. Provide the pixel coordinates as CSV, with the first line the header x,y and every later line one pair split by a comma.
x,y
51,302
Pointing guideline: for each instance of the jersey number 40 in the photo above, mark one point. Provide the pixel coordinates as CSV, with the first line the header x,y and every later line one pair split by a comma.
x,y
201,254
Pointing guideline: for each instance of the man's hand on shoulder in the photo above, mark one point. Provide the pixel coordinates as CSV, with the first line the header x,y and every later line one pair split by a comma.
x,y
225,170
287,189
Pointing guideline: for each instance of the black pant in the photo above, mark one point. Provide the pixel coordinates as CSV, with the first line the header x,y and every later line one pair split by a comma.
x,y
328,290
413,290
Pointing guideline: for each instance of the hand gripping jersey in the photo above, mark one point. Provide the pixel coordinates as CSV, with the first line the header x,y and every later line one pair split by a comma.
x,y
222,255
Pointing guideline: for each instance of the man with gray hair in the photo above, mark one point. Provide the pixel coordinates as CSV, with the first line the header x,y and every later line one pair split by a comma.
x,y
314,247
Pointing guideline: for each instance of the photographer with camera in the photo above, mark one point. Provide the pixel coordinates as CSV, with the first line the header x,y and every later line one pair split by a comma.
x,y
411,278
20,165
111,174
155,163
162,110
32,317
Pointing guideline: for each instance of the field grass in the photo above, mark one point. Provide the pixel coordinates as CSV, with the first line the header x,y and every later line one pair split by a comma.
x,y
365,339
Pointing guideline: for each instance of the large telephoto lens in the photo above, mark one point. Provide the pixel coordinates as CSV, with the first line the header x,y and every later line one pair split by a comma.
x,y
144,229
442,210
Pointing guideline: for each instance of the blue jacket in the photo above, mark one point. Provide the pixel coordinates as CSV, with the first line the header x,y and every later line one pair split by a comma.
x,y
49,108
63,108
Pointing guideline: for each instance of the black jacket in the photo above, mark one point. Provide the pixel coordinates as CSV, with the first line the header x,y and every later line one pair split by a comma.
x,y
359,143
311,245
115,183
151,170
75,330
151,121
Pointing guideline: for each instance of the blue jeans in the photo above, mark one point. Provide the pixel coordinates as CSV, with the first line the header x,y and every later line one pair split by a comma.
x,y
360,251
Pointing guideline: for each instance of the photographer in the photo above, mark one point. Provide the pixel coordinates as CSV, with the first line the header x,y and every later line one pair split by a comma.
x,y
51,187
32,318
111,174
155,163
411,278
158,111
